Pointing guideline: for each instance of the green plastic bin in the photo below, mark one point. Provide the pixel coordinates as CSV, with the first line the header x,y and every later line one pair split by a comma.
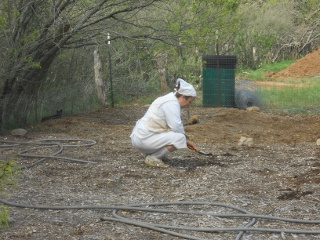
x,y
219,81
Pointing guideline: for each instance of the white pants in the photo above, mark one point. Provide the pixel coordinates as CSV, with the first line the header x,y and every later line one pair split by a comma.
x,y
155,141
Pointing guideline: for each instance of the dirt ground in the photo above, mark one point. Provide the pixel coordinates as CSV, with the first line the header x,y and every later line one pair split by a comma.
x,y
278,175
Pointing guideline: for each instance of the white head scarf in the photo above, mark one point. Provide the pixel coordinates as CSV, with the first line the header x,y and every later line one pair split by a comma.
x,y
185,88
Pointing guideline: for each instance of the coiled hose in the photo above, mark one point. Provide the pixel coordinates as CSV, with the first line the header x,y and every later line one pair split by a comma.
x,y
49,143
145,207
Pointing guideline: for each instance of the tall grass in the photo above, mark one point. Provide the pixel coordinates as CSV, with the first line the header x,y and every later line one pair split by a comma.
x,y
292,99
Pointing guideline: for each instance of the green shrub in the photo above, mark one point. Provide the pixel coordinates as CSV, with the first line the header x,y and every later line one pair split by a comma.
x,y
9,172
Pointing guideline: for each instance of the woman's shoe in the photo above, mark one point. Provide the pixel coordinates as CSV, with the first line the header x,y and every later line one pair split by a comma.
x,y
155,162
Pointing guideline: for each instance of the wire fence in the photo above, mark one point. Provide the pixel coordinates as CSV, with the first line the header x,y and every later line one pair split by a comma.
x,y
80,96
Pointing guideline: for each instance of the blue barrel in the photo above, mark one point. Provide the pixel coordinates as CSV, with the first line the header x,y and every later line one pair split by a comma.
x,y
218,86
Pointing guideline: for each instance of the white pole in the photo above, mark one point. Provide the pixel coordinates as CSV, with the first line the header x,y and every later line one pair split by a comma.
x,y
110,71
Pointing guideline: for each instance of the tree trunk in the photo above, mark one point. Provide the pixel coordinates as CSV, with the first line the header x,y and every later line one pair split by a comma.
x,y
8,100
24,80
160,59
98,78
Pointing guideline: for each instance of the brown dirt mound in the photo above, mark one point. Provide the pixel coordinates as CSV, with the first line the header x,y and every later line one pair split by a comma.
x,y
308,66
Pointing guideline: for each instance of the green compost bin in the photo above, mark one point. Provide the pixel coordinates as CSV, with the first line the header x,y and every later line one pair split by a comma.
x,y
219,81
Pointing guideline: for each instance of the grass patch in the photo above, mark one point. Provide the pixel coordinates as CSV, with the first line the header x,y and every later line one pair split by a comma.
x,y
293,99
259,74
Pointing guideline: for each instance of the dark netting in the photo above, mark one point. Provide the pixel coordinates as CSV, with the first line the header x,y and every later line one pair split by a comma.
x,y
219,80
246,98
246,94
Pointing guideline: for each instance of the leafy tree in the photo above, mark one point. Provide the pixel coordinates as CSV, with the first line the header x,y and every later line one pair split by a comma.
x,y
34,32
274,30
196,27
261,24
307,31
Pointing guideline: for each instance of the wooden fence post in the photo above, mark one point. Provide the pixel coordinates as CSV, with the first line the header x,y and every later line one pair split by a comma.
x,y
98,78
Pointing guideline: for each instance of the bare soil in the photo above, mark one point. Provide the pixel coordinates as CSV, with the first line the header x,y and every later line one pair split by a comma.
x,y
306,67
279,175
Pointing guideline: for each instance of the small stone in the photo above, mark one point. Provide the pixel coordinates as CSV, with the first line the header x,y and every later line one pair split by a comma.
x,y
318,142
19,132
245,141
193,120
253,109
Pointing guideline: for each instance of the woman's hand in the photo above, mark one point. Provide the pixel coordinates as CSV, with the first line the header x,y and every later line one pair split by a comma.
x,y
192,146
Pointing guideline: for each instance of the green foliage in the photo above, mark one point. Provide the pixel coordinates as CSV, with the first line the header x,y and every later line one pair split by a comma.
x,y
265,42
263,25
144,100
2,23
9,171
188,68
32,37
4,217
308,11
33,64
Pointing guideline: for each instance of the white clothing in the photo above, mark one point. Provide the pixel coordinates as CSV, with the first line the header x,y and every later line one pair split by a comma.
x,y
160,126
